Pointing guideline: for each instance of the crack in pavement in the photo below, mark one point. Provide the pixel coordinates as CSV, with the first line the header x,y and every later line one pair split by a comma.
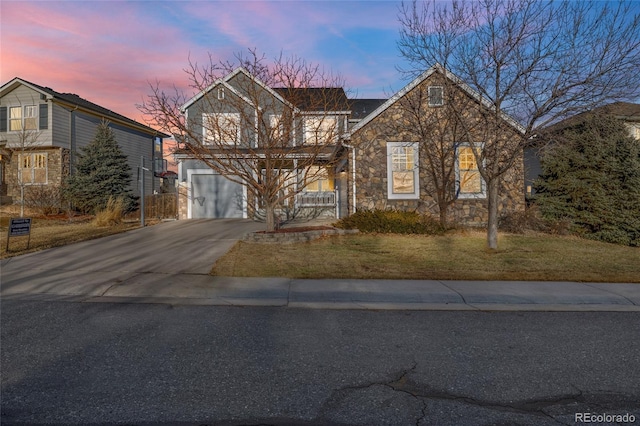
x,y
402,382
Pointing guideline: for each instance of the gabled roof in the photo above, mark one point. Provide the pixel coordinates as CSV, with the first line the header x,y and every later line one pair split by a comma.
x,y
225,81
449,75
316,98
74,100
625,111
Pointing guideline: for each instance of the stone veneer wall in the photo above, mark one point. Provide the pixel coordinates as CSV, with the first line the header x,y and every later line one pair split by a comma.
x,y
371,176
57,169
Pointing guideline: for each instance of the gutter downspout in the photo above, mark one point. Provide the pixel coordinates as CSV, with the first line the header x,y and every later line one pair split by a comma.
x,y
353,174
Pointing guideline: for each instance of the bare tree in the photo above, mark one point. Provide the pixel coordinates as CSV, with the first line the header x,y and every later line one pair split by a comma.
x,y
268,126
535,61
29,167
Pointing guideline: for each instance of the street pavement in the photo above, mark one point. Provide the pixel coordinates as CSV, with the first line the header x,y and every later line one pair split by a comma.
x,y
169,263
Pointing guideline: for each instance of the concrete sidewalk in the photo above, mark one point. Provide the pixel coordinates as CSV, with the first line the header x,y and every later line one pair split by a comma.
x,y
200,289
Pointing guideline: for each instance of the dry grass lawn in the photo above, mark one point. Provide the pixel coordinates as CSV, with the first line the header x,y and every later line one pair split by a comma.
x,y
47,232
457,256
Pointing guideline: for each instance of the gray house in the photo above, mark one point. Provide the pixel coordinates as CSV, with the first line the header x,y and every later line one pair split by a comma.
x,y
41,131
240,116
358,168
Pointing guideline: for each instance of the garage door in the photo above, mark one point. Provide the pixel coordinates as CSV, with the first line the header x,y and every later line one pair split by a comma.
x,y
215,196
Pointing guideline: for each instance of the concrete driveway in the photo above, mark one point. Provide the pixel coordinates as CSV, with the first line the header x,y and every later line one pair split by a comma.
x,y
92,267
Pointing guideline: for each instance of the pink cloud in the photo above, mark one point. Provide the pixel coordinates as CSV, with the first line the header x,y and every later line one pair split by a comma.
x,y
89,55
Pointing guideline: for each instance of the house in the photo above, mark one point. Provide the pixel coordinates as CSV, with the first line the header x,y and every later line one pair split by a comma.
x,y
360,165
628,113
298,129
41,132
389,155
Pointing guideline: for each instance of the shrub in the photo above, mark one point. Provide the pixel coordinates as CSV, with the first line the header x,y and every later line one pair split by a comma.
x,y
531,219
112,213
47,199
391,222
591,177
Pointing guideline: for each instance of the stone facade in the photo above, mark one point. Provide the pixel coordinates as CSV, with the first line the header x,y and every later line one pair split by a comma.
x,y
57,168
398,124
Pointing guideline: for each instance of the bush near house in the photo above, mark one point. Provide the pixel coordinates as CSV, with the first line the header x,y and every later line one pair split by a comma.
x,y
391,222
591,178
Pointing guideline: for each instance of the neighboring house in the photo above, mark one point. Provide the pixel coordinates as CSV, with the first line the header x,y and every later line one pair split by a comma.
x,y
302,116
388,162
42,131
627,112
362,173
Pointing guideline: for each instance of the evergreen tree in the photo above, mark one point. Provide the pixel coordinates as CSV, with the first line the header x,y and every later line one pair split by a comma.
x,y
591,176
101,172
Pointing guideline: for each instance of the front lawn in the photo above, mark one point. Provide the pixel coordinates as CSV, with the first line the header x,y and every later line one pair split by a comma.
x,y
456,256
47,232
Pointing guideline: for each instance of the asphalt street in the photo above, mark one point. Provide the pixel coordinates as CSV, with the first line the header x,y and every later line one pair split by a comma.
x,y
143,364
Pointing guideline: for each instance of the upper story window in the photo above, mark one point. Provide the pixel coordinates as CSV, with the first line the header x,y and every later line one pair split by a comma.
x,y
436,96
15,119
221,128
402,170
320,130
28,117
470,183
276,126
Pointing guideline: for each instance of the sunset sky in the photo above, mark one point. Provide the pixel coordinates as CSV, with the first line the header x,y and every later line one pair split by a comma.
x,y
109,51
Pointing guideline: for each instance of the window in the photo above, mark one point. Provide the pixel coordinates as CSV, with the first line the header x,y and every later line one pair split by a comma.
x,y
221,93
30,118
276,126
470,183
436,96
320,130
318,179
15,119
402,170
33,168
221,128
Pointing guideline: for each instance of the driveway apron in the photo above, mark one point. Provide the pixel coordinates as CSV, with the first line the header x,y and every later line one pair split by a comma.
x,y
92,267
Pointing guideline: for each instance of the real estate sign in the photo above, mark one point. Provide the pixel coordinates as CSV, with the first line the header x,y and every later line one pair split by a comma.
x,y
19,227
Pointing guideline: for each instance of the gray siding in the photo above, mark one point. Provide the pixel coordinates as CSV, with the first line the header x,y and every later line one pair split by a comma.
x,y
132,143
23,96
60,125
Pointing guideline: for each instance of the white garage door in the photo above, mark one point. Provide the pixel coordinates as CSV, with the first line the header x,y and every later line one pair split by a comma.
x,y
215,196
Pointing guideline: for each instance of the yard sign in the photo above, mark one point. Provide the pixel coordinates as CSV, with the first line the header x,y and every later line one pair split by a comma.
x,y
19,227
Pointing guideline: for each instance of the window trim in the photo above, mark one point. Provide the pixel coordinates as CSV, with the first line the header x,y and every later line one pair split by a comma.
x,y
416,171
483,186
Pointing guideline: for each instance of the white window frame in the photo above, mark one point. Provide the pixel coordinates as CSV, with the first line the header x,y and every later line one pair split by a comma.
x,y
483,186
227,118
430,96
317,128
392,148
36,161
15,119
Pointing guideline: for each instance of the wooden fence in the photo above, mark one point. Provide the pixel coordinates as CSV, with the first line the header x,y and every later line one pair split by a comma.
x,y
161,206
